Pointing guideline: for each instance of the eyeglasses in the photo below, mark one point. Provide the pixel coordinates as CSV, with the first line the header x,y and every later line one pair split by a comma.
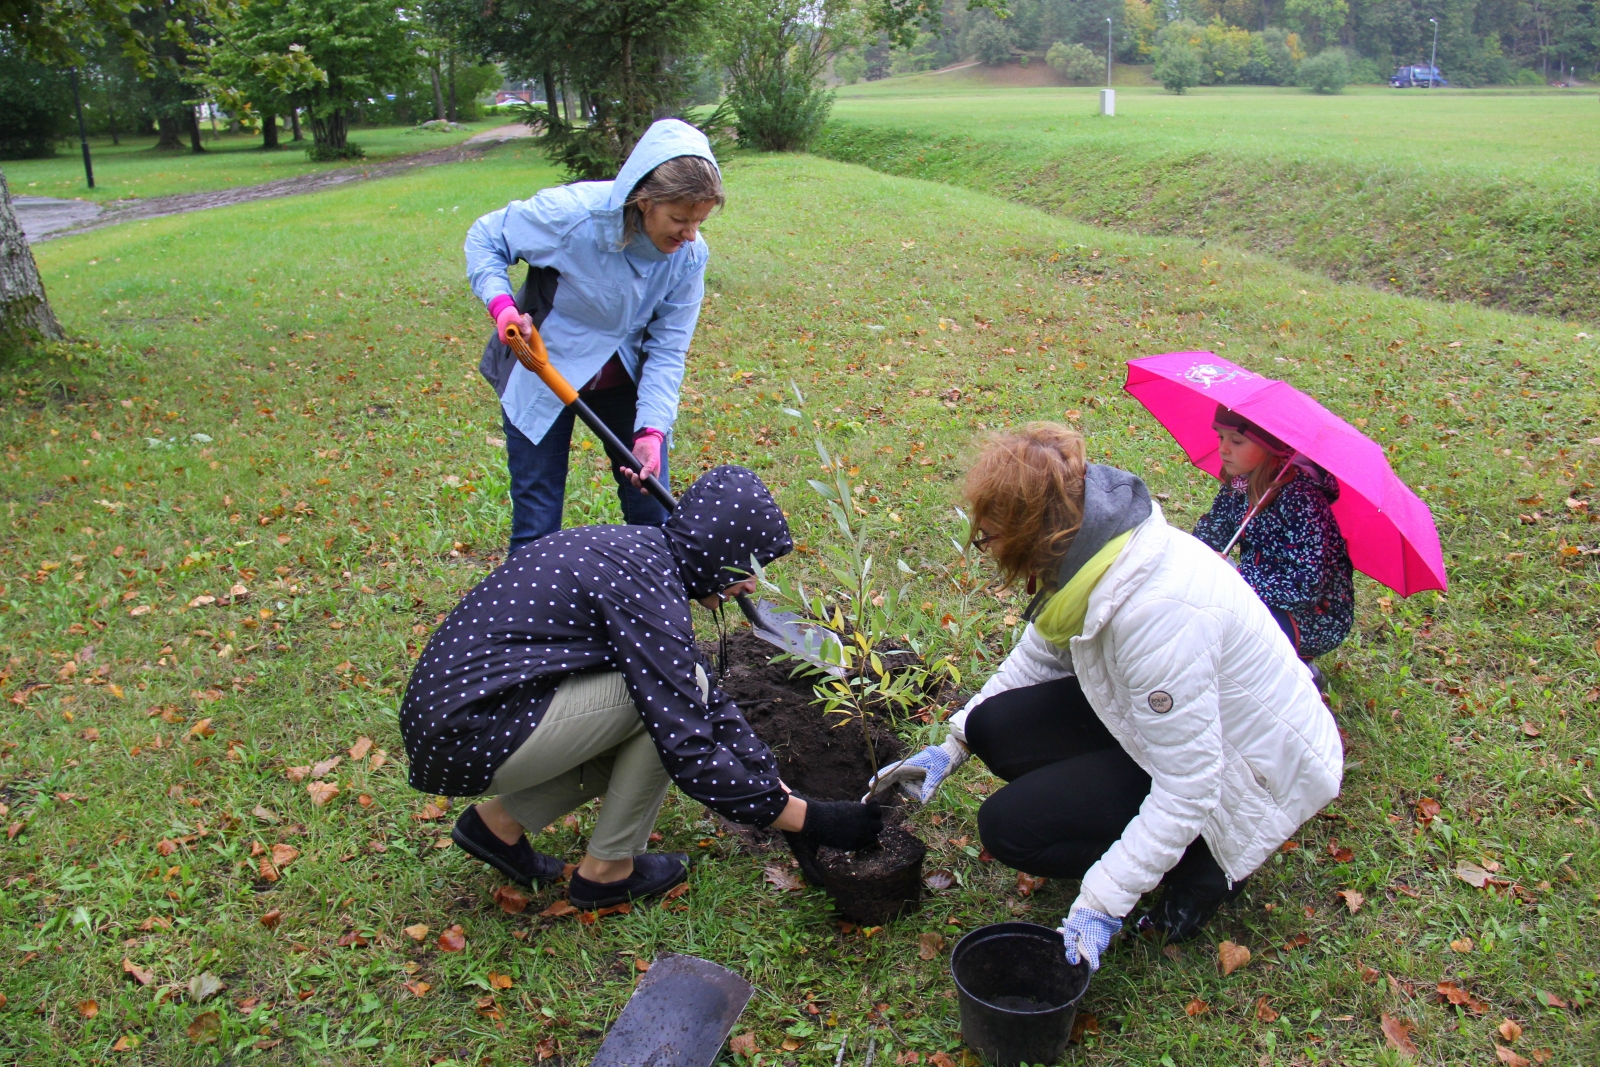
x,y
982,540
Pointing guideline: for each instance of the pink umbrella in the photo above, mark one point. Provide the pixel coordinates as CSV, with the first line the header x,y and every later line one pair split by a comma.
x,y
1390,531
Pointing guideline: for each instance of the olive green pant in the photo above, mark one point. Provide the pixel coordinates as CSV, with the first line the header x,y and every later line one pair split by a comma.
x,y
591,742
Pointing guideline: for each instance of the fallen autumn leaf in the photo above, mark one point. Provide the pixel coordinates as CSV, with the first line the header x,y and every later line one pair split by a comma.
x,y
1231,957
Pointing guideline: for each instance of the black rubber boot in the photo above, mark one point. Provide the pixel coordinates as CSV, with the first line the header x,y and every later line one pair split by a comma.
x,y
518,862
1192,891
653,874
1182,913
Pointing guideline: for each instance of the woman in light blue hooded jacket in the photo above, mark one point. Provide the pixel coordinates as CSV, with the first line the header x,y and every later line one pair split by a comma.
x,y
616,273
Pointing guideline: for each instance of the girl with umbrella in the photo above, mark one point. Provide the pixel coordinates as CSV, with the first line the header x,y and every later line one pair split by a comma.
x,y
1152,725
571,673
616,273
1277,507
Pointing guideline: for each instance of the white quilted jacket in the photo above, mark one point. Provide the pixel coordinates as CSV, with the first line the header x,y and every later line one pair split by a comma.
x,y
1186,668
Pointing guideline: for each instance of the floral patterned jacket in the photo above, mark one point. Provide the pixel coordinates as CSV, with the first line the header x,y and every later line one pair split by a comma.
x,y
1292,554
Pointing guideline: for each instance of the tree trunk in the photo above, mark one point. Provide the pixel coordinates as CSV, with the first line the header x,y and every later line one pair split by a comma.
x,y
453,113
550,99
194,130
170,129
111,113
332,131
438,96
294,124
24,308
269,131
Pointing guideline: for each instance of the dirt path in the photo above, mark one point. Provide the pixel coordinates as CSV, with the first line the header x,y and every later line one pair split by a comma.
x,y
43,219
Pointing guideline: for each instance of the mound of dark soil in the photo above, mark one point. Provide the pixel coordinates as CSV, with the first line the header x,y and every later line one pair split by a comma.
x,y
824,757
816,757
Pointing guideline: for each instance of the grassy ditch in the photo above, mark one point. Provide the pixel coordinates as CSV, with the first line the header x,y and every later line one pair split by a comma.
x,y
320,438
1483,197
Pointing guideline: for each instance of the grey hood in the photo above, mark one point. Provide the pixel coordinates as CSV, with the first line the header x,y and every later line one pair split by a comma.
x,y
1114,502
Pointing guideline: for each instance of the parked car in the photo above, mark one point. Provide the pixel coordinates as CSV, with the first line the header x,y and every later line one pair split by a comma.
x,y
1421,76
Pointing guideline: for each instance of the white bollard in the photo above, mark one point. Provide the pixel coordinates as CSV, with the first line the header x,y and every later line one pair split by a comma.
x,y
1108,101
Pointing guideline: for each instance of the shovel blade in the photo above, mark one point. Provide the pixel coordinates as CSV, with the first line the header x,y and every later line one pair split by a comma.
x,y
678,1017
802,638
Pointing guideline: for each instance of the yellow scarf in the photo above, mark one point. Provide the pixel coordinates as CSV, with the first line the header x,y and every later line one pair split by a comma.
x,y
1063,615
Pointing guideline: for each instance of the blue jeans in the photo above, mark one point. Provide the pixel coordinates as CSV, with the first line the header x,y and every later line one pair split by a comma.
x,y
539,470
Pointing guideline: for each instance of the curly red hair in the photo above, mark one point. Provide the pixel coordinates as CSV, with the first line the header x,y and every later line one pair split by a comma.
x,y
1027,486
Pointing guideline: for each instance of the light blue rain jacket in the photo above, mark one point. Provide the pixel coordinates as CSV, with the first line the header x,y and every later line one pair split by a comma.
x,y
637,302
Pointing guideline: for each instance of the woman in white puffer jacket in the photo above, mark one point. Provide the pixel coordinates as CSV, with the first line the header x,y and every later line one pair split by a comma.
x,y
1154,725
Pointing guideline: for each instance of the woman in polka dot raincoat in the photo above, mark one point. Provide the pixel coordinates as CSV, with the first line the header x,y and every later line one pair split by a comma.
x,y
571,672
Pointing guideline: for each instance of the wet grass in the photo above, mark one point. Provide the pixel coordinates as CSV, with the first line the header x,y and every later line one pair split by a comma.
x,y
136,169
350,478
1484,195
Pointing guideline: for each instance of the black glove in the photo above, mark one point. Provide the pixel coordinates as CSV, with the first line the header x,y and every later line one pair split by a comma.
x,y
842,824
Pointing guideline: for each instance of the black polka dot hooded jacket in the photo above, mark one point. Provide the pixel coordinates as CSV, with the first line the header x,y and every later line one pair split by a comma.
x,y
603,598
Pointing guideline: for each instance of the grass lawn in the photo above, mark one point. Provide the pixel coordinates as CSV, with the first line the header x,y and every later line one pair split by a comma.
x,y
1547,134
320,439
135,169
1484,195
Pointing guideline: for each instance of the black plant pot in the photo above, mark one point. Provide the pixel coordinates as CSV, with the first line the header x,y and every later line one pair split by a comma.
x,y
1018,994
870,887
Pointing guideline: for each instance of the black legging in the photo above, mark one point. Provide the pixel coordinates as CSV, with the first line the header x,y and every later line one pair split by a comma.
x,y
1071,790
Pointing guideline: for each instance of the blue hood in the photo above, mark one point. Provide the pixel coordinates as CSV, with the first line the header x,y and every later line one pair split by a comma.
x,y
665,139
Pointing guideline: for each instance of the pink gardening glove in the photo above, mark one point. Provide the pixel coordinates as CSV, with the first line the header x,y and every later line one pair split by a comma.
x,y
647,449
506,315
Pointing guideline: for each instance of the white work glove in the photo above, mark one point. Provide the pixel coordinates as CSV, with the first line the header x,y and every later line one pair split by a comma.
x,y
920,775
1088,933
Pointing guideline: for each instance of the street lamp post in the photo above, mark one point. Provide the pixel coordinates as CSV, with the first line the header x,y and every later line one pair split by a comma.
x,y
83,136
1433,60
1108,95
1108,51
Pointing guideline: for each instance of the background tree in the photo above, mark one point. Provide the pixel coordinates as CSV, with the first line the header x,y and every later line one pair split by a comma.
x,y
990,40
174,71
775,52
38,102
1326,72
1177,67
359,46
1075,62
609,67
249,69
51,34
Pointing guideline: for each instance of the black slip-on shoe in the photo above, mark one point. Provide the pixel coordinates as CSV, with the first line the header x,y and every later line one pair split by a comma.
x,y
518,862
653,873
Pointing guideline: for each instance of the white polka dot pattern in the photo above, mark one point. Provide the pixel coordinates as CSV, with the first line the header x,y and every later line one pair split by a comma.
x,y
602,598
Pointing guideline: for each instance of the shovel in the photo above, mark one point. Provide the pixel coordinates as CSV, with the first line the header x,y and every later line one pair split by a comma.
x,y
799,637
678,1017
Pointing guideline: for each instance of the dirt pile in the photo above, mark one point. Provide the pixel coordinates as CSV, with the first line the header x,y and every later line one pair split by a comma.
x,y
825,757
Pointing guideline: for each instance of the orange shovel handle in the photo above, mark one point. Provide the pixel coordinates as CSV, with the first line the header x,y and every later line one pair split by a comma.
x,y
531,353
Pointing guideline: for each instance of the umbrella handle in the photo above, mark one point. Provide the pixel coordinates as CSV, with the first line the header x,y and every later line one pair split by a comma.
x,y
1284,478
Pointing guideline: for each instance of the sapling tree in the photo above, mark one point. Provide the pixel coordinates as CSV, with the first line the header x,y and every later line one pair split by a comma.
x,y
864,617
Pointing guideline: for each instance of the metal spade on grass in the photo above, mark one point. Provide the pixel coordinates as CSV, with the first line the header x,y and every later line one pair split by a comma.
x,y
785,630
679,1016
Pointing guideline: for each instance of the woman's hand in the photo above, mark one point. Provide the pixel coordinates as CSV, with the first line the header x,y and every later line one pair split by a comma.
x,y
1088,934
921,775
510,316
841,824
733,592
647,450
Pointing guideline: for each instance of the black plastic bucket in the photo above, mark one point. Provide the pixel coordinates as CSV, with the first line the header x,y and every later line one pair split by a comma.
x,y
1019,995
